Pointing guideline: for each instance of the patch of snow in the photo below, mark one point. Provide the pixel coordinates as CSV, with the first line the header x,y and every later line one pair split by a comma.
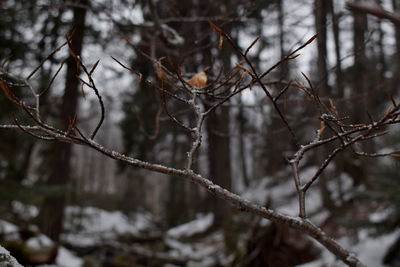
x,y
370,250
95,224
81,239
7,228
198,225
25,211
381,215
66,258
10,230
197,251
38,242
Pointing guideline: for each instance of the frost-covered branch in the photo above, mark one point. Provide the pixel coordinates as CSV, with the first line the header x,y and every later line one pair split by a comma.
x,y
7,260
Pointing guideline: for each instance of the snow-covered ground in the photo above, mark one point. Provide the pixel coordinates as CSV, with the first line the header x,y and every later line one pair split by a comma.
x,y
98,225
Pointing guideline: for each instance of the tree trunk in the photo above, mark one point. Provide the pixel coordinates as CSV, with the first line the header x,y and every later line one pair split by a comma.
x,y
52,211
396,79
320,25
275,143
321,12
339,92
360,82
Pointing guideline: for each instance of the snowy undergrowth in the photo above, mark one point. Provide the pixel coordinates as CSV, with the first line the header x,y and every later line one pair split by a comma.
x,y
89,225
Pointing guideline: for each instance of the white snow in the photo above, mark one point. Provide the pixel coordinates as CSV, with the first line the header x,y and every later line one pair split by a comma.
x,y
96,224
38,242
25,211
7,227
369,250
66,258
9,230
372,250
202,223
201,253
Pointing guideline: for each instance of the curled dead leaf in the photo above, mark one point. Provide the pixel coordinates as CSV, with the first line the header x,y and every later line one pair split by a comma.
x,y
198,80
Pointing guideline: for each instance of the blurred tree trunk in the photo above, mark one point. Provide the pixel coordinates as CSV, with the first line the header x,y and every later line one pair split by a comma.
x,y
339,88
219,152
52,211
360,75
336,39
241,119
321,12
396,80
218,129
176,209
275,144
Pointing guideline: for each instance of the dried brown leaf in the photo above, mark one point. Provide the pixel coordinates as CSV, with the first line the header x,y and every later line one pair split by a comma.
x,y
216,28
321,127
332,107
198,80
220,41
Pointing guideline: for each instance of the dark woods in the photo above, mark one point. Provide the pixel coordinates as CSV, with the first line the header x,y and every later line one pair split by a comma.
x,y
142,133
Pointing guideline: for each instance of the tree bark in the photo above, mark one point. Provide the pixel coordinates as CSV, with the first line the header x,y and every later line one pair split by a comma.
x,y
339,92
396,80
360,79
52,212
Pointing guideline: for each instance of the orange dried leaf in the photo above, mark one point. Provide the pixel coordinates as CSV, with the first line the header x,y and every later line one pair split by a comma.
x,y
332,106
241,67
159,70
220,41
198,80
321,127
216,28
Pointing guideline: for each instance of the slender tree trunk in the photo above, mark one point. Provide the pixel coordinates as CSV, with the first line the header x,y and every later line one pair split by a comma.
x,y
396,80
360,82
52,212
321,12
336,38
339,87
242,150
275,145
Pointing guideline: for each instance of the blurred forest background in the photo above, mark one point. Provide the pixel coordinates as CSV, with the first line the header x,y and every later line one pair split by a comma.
x,y
72,206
